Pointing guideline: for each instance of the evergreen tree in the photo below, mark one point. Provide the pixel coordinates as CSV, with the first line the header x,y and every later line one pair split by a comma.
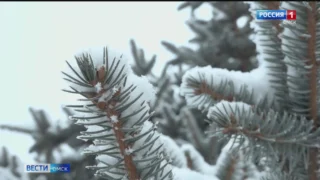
x,y
221,117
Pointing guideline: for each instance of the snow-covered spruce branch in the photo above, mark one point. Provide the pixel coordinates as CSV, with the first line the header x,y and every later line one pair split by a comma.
x,y
233,165
270,134
205,86
229,166
115,110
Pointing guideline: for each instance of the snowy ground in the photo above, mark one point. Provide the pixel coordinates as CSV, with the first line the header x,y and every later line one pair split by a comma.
x,y
36,38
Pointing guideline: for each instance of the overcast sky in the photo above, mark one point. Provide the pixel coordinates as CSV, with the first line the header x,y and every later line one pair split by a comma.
x,y
37,37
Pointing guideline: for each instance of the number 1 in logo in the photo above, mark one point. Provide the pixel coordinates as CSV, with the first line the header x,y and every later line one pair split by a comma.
x,y
291,15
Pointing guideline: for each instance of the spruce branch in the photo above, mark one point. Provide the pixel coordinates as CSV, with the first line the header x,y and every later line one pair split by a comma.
x,y
141,66
204,87
125,142
269,134
183,55
17,129
172,123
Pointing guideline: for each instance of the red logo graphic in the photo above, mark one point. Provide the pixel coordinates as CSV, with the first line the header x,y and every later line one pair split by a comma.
x,y
291,15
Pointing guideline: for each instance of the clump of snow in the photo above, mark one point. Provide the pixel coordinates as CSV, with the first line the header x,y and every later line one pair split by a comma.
x,y
115,89
175,153
98,87
114,119
252,81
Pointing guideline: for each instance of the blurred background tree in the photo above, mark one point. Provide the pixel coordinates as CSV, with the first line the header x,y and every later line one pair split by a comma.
x,y
224,42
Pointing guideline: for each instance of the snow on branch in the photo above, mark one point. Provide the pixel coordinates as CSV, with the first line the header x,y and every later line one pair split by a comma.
x,y
232,165
205,86
114,108
197,162
268,45
269,134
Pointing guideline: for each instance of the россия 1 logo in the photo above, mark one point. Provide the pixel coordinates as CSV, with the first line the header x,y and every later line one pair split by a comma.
x,y
276,15
47,168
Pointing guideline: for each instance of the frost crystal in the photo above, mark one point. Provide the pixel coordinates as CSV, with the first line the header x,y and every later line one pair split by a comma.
x,y
114,90
98,87
114,119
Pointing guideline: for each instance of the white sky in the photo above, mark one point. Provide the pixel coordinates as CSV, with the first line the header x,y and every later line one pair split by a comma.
x,y
37,37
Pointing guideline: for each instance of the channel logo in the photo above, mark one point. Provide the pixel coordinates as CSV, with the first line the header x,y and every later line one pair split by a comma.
x,y
47,168
276,14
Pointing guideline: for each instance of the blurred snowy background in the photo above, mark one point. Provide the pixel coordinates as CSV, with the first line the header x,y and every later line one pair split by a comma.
x,y
37,38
